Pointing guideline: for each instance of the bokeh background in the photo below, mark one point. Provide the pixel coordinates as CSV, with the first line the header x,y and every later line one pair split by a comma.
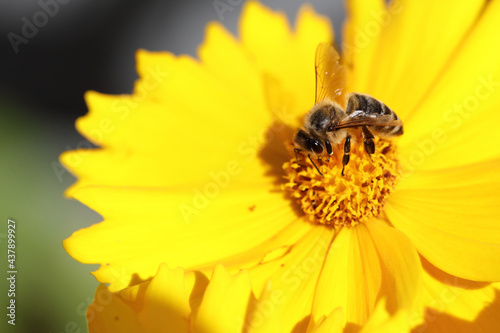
x,y
83,45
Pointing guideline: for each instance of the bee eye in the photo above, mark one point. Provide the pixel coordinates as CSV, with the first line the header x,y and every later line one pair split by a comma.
x,y
315,146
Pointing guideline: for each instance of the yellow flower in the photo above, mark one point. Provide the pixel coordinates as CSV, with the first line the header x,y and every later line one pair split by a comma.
x,y
196,171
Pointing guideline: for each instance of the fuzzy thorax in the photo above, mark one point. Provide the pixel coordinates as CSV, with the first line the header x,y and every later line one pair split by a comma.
x,y
347,200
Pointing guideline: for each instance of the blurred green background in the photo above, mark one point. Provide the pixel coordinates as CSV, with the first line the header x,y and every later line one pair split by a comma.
x,y
52,289
87,45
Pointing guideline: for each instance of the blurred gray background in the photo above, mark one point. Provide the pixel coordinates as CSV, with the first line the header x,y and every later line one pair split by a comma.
x,y
79,46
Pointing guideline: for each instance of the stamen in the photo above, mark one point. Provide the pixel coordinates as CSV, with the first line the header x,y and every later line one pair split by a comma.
x,y
337,200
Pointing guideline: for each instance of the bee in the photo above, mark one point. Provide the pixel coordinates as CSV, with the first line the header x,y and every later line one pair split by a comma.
x,y
327,123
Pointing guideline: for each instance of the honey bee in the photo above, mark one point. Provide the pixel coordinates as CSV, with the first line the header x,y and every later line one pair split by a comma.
x,y
327,123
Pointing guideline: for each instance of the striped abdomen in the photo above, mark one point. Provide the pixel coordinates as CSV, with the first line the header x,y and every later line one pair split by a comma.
x,y
372,106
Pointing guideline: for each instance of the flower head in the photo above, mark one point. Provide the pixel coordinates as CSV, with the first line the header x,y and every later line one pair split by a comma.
x,y
210,224
347,200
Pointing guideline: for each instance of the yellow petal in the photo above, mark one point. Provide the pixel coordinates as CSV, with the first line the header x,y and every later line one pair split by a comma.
x,y
333,323
230,117
159,305
365,264
193,89
201,98
254,160
283,55
109,313
124,124
410,55
311,29
286,284
453,126
360,44
452,218
224,304
382,321
457,305
225,59
166,303
144,228
487,322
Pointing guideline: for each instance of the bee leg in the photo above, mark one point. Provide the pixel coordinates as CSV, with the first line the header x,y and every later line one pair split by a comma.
x,y
308,155
295,150
368,141
329,149
347,151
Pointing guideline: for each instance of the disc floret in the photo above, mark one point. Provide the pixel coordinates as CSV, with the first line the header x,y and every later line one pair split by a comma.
x,y
337,200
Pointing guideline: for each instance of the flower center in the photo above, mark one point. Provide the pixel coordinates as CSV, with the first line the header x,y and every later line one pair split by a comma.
x,y
347,200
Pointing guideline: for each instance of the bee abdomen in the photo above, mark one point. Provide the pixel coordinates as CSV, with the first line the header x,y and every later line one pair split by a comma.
x,y
387,130
368,104
372,106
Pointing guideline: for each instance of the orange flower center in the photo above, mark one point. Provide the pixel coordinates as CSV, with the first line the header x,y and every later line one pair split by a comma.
x,y
347,200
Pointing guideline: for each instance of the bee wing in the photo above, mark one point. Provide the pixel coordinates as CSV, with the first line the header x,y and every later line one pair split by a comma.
x,y
330,75
361,118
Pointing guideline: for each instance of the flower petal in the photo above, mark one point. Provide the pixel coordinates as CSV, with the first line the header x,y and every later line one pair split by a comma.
x,y
455,122
215,100
109,313
283,55
405,46
364,264
123,124
144,228
224,304
286,285
224,57
358,48
333,323
311,29
166,302
154,307
452,218
457,305
382,321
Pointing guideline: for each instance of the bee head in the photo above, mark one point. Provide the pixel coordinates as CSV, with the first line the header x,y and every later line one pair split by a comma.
x,y
305,142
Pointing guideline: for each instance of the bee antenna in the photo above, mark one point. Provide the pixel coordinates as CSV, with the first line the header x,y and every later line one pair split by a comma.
x,y
309,155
